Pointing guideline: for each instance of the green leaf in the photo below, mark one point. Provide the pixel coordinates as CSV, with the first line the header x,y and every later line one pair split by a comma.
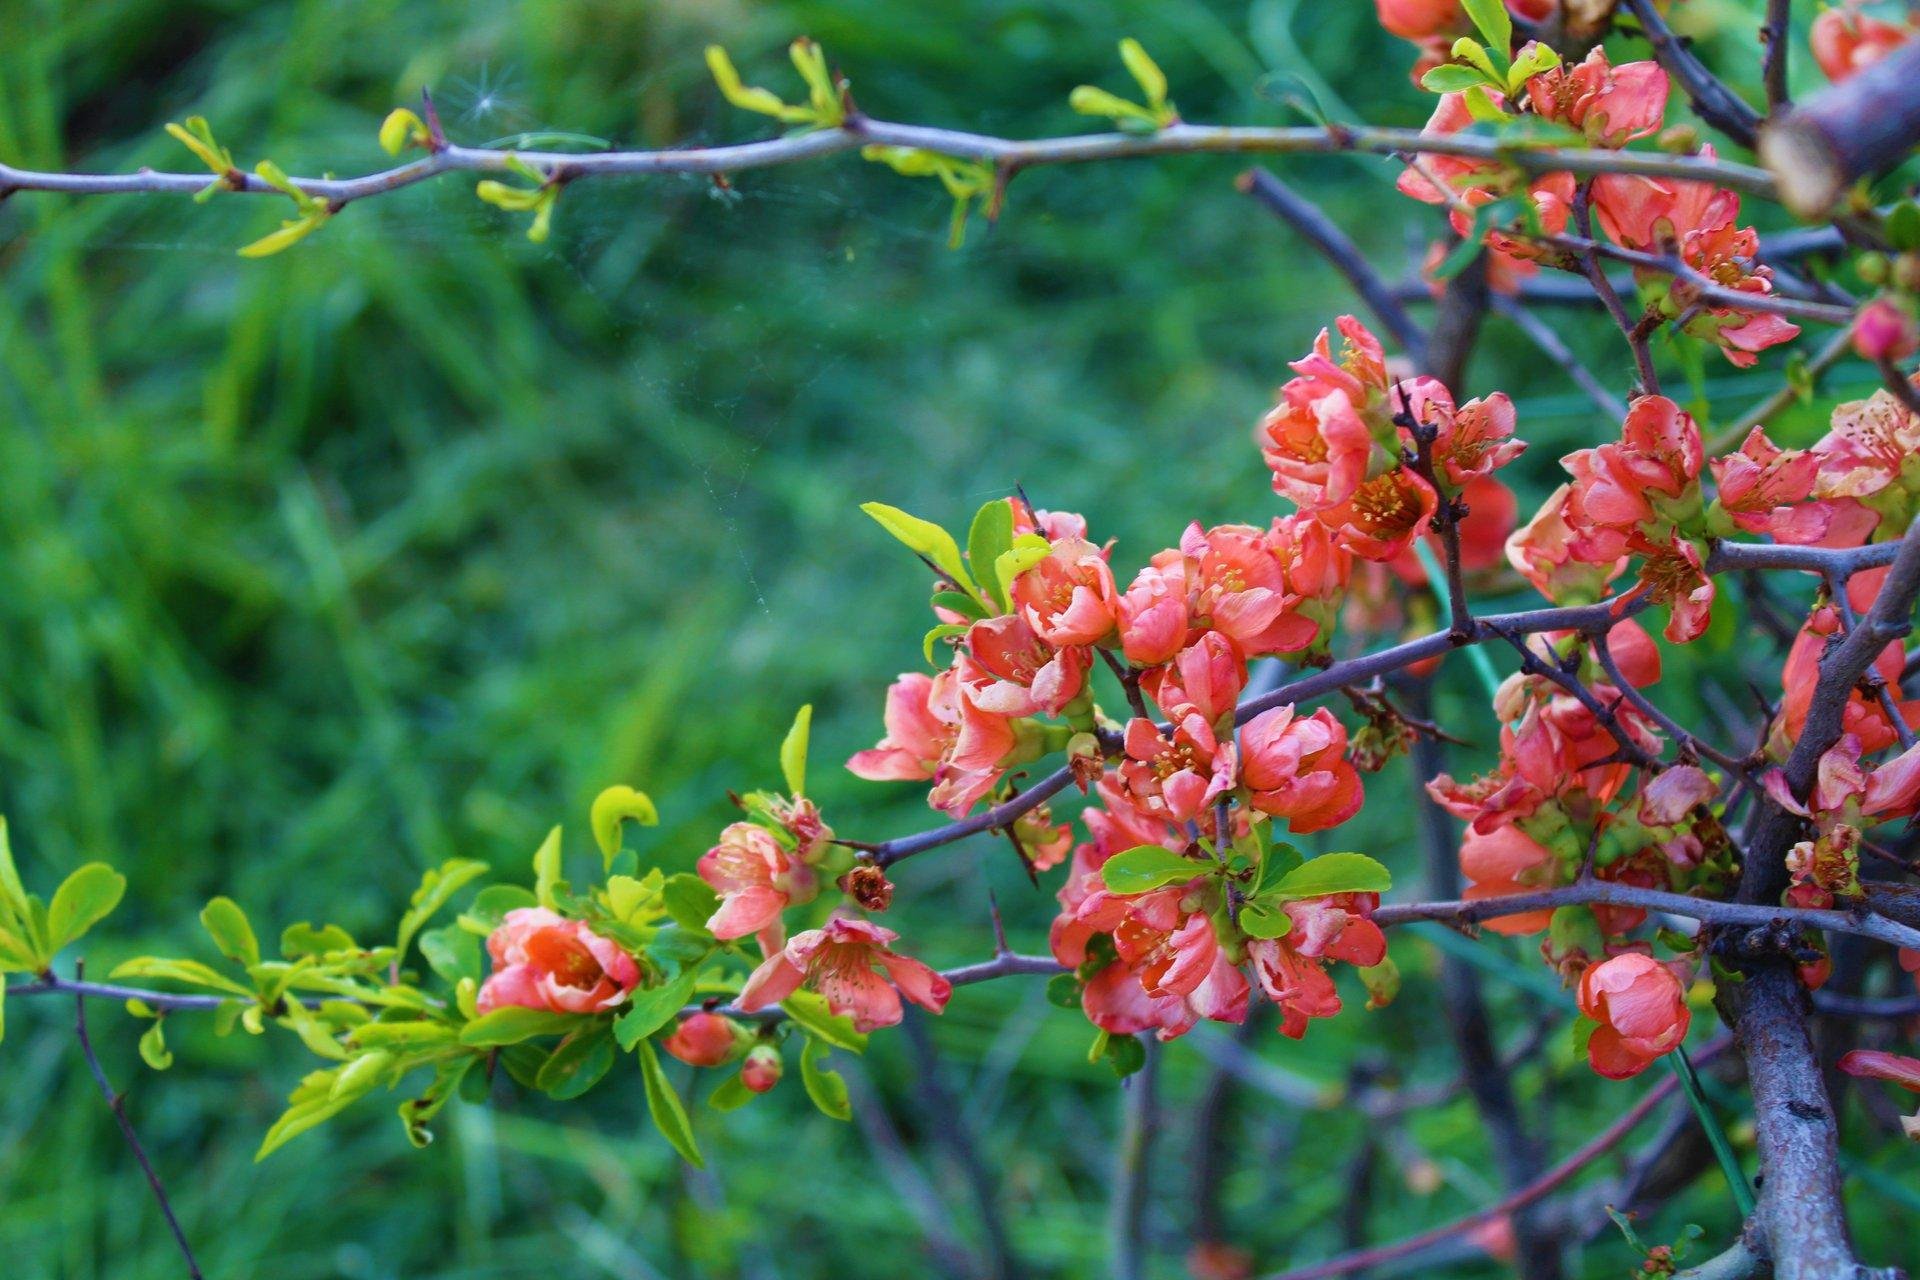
x,y
191,972
611,808
1903,226
1451,78
991,537
731,1095
827,1089
1264,920
82,901
1494,22
415,1112
1147,867
690,901
1063,991
654,1008
924,537
1333,873
1145,71
436,887
793,752
1091,100
17,954
1282,857
13,894
546,870
578,1064
227,925
1125,1054
451,952
809,1012
314,1102
512,1024
663,1104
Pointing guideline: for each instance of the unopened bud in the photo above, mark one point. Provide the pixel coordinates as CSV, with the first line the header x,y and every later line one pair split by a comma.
x,y
1872,267
1885,330
1086,759
761,1071
704,1039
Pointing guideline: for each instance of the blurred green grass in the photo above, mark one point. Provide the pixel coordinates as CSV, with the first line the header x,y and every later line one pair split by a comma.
x,y
318,570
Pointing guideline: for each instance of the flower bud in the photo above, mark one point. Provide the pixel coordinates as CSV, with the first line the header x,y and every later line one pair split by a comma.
x,y
704,1040
1872,267
1885,330
761,1071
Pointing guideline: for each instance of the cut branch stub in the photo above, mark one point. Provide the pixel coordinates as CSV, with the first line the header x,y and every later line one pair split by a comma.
x,y
1859,127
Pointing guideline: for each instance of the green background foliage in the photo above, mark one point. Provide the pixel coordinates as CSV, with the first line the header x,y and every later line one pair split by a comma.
x,y
319,570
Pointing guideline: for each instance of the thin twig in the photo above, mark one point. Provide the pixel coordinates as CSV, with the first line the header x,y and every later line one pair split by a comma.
x,y
1712,100
117,1105
1773,70
1542,335
1590,263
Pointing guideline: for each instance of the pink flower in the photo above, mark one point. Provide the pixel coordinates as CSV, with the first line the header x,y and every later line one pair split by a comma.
x,y
1153,614
1846,41
1502,862
1675,575
704,1040
1885,330
1474,440
1611,105
1207,676
1298,985
837,960
1030,675
1176,776
1068,598
1054,526
1543,552
1338,927
1237,586
1762,483
1673,794
1316,444
1615,486
918,734
1420,19
1867,448
1872,1064
1116,1001
1384,516
542,960
756,879
1296,768
1641,1009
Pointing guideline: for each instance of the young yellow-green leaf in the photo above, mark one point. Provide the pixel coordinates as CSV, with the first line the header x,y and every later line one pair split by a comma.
x,y
511,1024
1495,25
663,1104
191,972
312,1103
1145,72
197,137
1276,864
822,93
1483,109
809,1012
611,808
303,939
654,1008
690,900
1452,78
1333,873
227,925
153,1046
1092,100
1475,55
793,751
1382,982
415,1112
17,954
400,130
924,537
1146,867
763,101
1028,550
990,537
546,869
945,631
81,902
826,1087
1534,59
577,1064
437,887
292,231
362,1074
